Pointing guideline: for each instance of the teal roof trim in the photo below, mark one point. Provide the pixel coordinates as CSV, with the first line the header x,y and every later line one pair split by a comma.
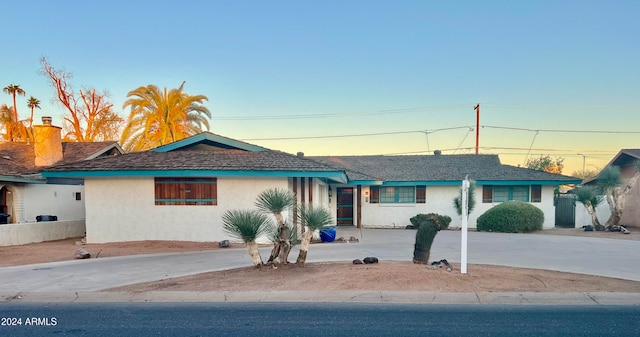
x,y
334,175
22,180
459,182
528,182
365,182
209,137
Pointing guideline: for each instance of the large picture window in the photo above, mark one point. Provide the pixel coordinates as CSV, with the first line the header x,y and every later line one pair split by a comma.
x,y
398,194
495,193
186,191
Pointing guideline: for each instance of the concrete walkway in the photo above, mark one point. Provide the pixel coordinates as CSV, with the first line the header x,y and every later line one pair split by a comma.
x,y
593,256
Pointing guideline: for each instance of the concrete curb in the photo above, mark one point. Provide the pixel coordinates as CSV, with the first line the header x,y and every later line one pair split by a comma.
x,y
486,298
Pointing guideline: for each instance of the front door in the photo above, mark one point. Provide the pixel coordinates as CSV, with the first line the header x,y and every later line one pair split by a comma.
x,y
345,206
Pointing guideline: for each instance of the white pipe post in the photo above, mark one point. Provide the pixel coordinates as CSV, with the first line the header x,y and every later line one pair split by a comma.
x,y
465,220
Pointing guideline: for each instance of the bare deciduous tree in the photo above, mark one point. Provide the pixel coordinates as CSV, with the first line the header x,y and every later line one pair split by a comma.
x,y
90,117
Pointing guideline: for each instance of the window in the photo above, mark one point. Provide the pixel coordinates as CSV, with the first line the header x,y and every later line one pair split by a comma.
x,y
492,193
421,194
186,191
397,195
78,195
375,194
536,193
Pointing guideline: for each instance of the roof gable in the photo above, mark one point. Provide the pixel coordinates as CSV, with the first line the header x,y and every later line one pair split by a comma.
x,y
18,159
207,141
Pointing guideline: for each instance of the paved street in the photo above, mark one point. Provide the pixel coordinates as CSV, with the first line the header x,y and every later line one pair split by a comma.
x,y
594,256
315,319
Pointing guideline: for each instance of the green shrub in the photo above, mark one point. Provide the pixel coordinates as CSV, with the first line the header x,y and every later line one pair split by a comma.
x,y
442,221
511,217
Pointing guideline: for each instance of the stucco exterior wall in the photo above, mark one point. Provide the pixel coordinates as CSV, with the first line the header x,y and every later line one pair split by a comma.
x,y
24,233
50,199
124,210
631,212
439,199
26,202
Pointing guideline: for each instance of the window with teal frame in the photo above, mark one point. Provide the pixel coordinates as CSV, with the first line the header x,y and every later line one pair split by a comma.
x,y
186,191
506,193
397,195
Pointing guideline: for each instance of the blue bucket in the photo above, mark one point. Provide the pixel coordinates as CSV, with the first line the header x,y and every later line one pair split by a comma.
x,y
328,234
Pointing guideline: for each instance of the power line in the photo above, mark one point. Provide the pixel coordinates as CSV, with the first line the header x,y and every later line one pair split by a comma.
x,y
340,114
356,135
557,130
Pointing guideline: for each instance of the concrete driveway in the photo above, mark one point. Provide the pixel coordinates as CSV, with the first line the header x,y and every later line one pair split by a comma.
x,y
594,256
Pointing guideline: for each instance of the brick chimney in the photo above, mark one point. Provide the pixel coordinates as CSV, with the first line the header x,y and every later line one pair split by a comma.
x,y
48,143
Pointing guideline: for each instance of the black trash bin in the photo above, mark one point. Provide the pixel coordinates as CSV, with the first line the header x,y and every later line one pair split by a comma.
x,y
4,218
40,218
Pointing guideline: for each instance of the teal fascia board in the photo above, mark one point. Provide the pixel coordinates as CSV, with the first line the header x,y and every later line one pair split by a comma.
x,y
421,183
212,138
366,182
334,175
22,180
528,182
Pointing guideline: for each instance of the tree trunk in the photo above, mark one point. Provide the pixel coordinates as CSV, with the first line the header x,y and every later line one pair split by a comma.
x,y
282,247
617,197
304,247
594,217
252,248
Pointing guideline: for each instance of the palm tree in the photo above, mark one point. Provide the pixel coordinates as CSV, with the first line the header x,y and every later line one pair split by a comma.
x,y
247,226
276,201
590,197
314,218
32,103
160,117
14,129
13,90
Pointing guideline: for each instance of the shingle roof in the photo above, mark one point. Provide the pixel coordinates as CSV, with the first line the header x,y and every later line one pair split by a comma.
x,y
197,160
18,159
434,168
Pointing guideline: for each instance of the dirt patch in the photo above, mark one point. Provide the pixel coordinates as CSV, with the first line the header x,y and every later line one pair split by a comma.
x,y
387,276
64,250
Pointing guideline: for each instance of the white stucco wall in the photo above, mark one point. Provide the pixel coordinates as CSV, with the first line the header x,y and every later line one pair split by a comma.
x,y
124,210
439,199
24,233
583,218
50,199
26,202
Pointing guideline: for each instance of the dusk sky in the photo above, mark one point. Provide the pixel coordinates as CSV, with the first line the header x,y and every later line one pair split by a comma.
x,y
558,78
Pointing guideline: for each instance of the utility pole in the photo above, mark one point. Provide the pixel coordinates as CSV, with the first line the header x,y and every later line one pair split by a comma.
x,y
477,109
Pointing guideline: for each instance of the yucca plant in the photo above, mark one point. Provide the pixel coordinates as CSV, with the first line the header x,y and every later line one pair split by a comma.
x,y
276,201
590,197
247,226
314,218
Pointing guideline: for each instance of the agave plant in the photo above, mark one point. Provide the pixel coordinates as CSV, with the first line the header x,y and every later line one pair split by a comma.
x,y
247,226
276,201
314,218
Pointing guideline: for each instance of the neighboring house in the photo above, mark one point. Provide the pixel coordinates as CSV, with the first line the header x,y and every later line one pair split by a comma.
x,y
180,191
625,160
386,191
25,194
